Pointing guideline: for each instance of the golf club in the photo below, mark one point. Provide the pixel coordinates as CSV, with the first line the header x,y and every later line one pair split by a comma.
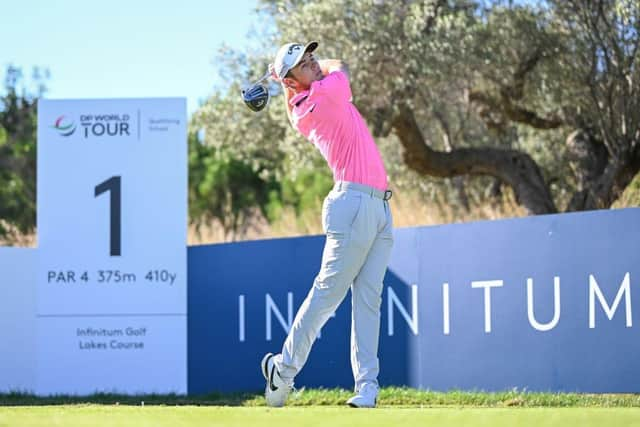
x,y
256,96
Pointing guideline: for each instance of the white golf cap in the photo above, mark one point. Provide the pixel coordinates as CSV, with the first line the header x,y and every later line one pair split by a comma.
x,y
289,55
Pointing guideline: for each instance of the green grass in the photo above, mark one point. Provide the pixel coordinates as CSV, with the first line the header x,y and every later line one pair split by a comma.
x,y
192,416
397,406
389,396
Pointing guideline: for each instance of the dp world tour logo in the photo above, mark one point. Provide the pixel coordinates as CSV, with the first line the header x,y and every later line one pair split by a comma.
x,y
64,126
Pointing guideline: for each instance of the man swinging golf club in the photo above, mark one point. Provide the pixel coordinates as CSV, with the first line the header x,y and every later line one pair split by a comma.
x,y
356,220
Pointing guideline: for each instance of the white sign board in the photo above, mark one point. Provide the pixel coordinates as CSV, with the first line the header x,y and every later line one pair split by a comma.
x,y
112,217
17,319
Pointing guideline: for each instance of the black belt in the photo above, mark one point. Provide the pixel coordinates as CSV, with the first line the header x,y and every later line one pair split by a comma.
x,y
374,192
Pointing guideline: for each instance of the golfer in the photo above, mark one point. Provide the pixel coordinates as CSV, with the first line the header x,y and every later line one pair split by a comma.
x,y
355,218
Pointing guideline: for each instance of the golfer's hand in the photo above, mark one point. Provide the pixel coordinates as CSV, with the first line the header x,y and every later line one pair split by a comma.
x,y
272,70
329,65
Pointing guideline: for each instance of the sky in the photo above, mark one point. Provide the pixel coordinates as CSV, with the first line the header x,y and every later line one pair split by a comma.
x,y
128,49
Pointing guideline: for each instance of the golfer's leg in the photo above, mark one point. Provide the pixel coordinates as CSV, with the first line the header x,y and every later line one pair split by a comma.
x,y
365,314
342,258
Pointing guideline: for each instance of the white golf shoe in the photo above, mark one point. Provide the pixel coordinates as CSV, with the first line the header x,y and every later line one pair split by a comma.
x,y
277,389
366,397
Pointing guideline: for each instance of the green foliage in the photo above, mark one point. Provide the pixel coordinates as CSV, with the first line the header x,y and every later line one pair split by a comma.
x,y
231,191
224,188
495,73
307,190
18,122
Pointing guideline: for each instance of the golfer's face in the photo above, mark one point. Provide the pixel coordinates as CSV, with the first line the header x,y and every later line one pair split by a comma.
x,y
307,71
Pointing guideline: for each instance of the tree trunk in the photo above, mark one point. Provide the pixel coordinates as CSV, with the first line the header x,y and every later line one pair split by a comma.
x,y
602,191
513,167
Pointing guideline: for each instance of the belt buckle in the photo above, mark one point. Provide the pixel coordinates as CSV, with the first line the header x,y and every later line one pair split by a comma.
x,y
387,195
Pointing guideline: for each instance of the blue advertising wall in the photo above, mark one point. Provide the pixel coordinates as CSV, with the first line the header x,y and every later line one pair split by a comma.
x,y
455,308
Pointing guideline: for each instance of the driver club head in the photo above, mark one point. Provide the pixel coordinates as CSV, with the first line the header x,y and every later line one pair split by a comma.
x,y
256,97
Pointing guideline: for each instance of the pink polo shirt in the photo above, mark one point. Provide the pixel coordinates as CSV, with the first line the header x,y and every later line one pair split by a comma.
x,y
326,116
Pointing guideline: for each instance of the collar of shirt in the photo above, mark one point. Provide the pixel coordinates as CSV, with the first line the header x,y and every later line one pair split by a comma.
x,y
299,97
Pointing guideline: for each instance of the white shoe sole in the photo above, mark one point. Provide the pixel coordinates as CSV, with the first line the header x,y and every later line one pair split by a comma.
x,y
355,405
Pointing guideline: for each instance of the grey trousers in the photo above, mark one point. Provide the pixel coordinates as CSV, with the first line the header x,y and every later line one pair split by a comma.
x,y
359,238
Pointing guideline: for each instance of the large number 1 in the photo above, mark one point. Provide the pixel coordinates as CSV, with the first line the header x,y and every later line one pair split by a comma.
x,y
113,185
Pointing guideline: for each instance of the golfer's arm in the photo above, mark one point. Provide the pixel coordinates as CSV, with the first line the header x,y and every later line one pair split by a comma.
x,y
329,65
288,94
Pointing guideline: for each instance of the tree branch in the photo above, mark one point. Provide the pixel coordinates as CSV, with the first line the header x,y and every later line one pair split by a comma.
x,y
514,112
524,68
513,167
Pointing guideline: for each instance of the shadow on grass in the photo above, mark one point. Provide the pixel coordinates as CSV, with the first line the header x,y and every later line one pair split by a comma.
x,y
211,399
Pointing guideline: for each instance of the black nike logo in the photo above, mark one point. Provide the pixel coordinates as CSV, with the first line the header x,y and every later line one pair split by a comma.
x,y
265,368
300,102
271,385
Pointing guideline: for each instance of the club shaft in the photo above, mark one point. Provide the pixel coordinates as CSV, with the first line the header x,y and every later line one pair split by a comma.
x,y
263,78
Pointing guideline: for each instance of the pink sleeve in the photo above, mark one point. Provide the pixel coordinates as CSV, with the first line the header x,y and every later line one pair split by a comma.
x,y
335,85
